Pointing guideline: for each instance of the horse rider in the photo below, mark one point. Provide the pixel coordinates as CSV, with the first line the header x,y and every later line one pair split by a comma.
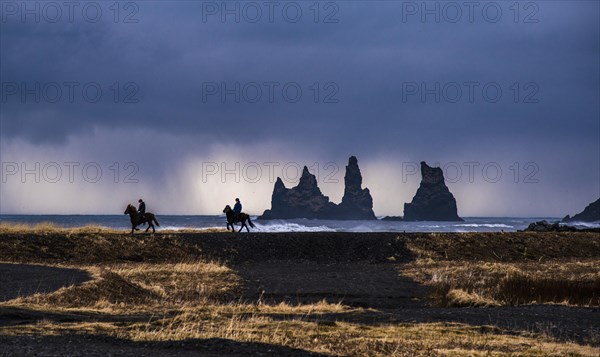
x,y
237,208
142,210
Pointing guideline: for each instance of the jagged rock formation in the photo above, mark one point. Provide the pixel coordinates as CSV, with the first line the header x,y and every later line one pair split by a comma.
x,y
544,226
303,201
357,202
433,201
590,214
306,200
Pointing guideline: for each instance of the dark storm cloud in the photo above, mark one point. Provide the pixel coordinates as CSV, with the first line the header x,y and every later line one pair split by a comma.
x,y
369,56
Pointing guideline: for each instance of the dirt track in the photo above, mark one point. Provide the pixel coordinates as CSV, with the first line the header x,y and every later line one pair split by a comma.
x,y
25,279
360,285
101,346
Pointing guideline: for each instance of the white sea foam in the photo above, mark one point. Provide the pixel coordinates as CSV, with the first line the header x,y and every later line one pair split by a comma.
x,y
181,228
290,227
585,224
488,225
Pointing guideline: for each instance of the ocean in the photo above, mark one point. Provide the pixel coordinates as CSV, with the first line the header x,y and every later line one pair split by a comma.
x,y
471,224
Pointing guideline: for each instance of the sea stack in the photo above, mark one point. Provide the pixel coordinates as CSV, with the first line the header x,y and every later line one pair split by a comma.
x,y
303,201
433,201
590,214
306,200
357,202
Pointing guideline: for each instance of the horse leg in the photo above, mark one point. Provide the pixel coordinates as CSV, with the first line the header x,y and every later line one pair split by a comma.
x,y
247,229
146,231
153,230
242,225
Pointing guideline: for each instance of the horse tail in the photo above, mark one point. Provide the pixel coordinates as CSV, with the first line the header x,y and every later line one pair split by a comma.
x,y
250,222
156,221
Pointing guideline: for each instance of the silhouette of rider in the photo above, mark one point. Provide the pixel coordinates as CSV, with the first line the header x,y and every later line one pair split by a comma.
x,y
142,211
237,208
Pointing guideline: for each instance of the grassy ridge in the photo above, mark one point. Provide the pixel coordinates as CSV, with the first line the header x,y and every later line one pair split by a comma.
x,y
77,246
456,284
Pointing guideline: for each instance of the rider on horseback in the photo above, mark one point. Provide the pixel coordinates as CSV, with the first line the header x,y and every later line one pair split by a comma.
x,y
142,211
236,215
237,208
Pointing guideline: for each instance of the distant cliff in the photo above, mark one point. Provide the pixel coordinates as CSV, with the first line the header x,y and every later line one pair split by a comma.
x,y
590,214
433,201
306,200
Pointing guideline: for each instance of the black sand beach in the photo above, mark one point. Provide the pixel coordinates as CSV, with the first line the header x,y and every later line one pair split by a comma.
x,y
380,274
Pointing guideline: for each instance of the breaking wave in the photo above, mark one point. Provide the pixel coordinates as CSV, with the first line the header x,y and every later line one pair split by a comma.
x,y
290,227
487,225
585,224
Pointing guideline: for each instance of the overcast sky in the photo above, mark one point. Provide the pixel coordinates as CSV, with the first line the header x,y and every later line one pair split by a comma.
x,y
505,98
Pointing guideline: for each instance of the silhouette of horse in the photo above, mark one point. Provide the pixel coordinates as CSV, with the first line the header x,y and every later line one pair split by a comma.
x,y
233,218
136,220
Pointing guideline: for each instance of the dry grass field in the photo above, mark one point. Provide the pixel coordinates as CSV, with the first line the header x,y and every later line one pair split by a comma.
x,y
104,292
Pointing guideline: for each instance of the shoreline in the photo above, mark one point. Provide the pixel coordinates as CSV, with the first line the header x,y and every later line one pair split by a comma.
x,y
191,224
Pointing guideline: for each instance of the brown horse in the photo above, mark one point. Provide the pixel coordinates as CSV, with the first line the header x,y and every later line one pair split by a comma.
x,y
235,218
136,220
